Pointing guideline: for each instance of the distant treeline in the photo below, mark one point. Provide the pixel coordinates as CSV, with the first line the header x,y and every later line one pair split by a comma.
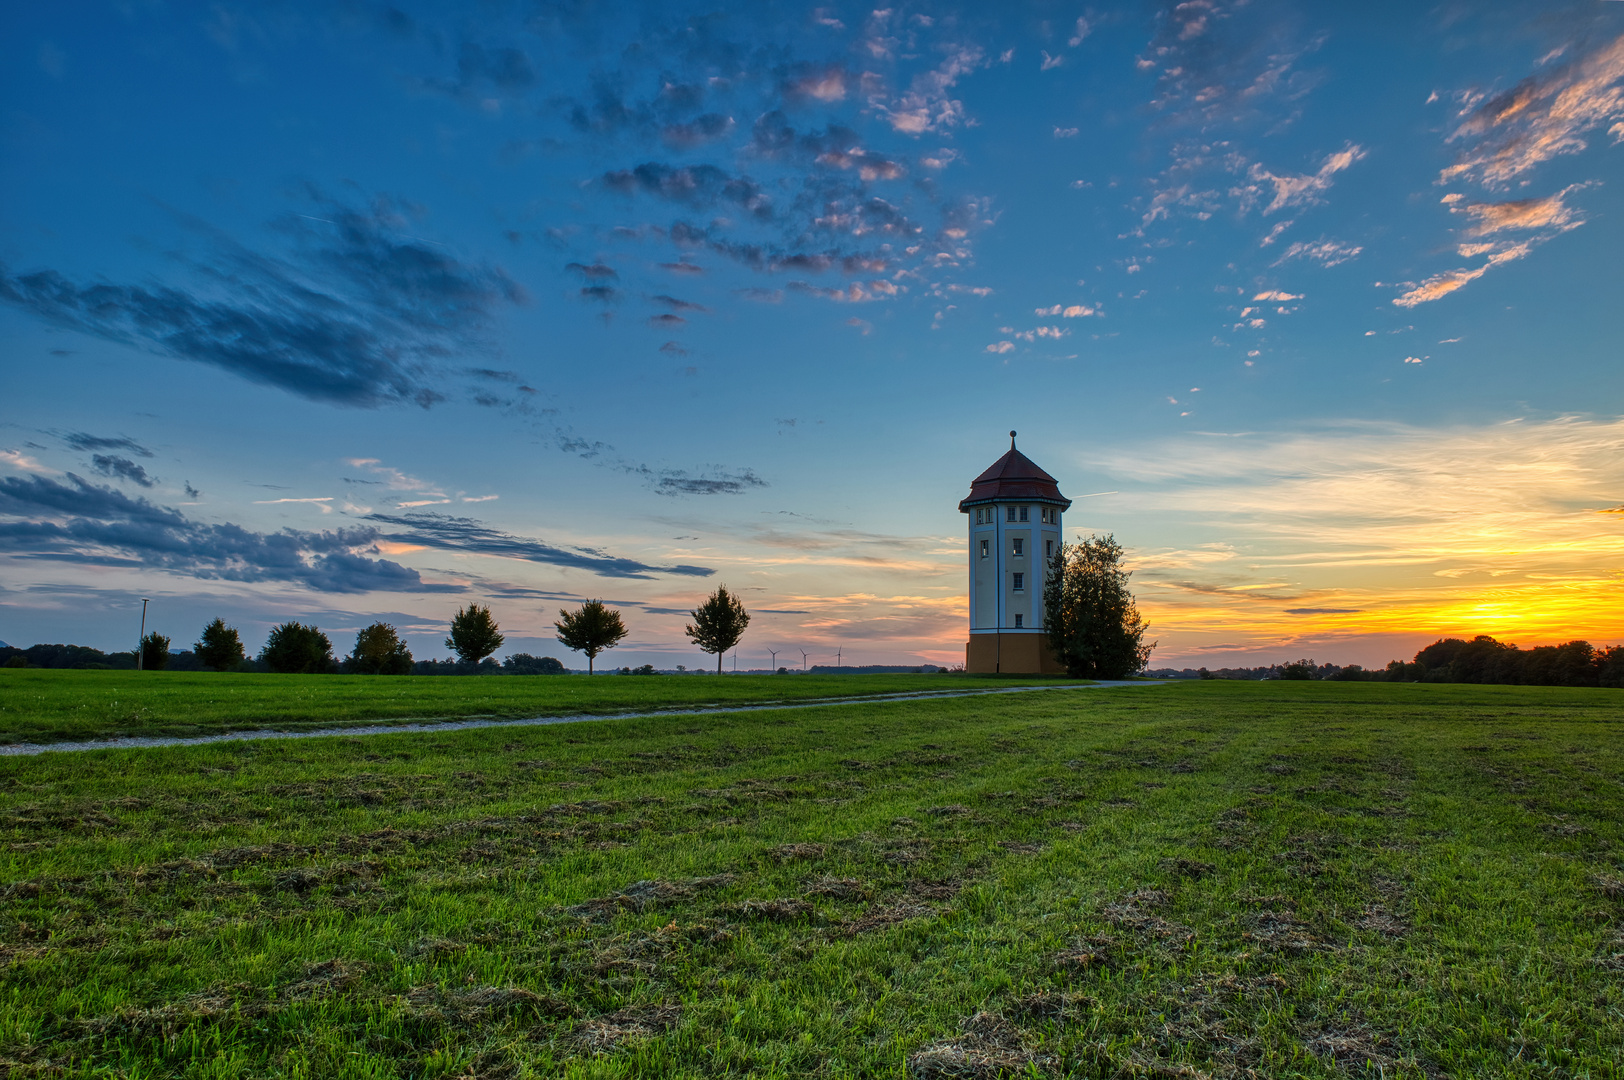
x,y
1454,660
874,669
83,657
76,656
1254,674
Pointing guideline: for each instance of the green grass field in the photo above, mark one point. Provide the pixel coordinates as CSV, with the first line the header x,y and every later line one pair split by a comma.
x,y
1201,879
55,706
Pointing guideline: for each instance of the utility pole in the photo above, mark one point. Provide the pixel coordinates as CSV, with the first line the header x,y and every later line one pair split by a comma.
x,y
140,646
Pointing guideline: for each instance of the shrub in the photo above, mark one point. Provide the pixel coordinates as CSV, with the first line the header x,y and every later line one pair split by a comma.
x,y
525,664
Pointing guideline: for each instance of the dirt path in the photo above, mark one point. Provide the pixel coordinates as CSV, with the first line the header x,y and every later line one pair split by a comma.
x,y
26,749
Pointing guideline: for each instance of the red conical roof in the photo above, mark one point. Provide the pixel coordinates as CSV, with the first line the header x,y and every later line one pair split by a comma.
x,y
1014,477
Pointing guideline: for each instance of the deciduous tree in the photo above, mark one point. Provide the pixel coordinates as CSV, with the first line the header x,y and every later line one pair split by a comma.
x,y
219,647
379,651
1298,670
474,635
154,652
295,649
1092,621
718,623
590,629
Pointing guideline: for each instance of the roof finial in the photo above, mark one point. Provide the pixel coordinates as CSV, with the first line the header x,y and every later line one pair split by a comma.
x,y
1012,440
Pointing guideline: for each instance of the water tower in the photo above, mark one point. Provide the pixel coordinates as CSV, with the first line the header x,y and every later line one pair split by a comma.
x,y
1014,511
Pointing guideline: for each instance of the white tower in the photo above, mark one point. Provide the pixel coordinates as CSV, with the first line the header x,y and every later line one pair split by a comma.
x,y
1014,513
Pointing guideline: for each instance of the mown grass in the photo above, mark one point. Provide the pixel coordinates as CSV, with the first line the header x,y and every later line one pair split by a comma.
x,y
1207,879
55,706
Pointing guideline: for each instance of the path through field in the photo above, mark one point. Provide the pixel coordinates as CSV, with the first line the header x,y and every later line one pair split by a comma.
x,y
25,749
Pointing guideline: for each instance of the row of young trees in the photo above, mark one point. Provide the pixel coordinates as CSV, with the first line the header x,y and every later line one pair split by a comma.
x,y
719,623
297,649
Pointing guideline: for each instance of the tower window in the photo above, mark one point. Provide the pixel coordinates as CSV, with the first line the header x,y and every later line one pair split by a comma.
x,y
1009,513
983,549
1048,549
1020,582
1020,546
1023,513
1018,621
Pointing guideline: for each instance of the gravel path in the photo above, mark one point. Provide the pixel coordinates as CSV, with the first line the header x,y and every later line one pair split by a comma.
x,y
26,749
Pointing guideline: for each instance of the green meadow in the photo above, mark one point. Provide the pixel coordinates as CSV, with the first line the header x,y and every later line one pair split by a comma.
x,y
1205,879
59,706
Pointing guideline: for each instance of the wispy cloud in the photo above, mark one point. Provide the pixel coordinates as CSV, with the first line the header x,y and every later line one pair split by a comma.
x,y
321,502
1217,60
1441,285
1545,218
1547,214
1544,116
24,463
121,468
84,441
714,482
679,305
928,105
1327,253
1037,333
1301,190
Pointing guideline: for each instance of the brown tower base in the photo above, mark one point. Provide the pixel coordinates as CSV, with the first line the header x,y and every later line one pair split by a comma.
x,y
1011,654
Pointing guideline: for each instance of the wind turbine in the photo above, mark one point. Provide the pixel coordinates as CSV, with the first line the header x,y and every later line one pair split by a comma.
x,y
774,653
803,659
837,658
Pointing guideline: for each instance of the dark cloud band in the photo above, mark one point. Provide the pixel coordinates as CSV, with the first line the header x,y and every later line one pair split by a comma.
x,y
358,315
469,535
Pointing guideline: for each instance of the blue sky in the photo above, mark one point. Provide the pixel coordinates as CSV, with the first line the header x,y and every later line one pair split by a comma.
x,y
348,312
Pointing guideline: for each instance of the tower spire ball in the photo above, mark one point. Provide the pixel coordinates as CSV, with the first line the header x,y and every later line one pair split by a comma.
x,y
1012,440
